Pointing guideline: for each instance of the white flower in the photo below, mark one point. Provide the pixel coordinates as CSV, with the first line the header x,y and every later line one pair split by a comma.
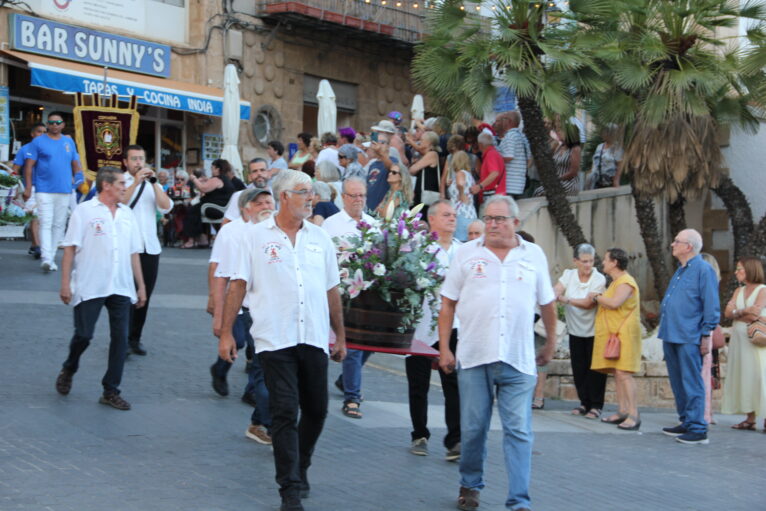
x,y
366,246
422,282
405,234
344,273
379,269
414,211
432,249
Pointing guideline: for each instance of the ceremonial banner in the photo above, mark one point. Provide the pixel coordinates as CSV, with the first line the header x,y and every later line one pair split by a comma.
x,y
103,133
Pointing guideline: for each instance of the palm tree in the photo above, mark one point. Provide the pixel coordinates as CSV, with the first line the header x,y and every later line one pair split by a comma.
x,y
463,57
673,81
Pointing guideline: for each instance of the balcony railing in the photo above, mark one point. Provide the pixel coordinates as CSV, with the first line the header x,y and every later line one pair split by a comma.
x,y
401,20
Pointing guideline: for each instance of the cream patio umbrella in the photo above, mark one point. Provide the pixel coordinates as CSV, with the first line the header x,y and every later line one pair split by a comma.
x,y
328,112
230,120
417,111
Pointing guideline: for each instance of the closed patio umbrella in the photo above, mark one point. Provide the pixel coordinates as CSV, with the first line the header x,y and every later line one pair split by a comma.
x,y
230,120
328,112
418,110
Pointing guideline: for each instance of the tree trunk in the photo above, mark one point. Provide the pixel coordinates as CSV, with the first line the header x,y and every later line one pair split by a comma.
x,y
650,233
759,239
558,204
677,215
740,215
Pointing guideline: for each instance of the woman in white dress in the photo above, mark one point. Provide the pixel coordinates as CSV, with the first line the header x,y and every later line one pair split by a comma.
x,y
744,390
574,289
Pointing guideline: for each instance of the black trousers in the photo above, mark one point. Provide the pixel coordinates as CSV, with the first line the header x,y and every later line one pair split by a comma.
x,y
85,317
297,380
150,265
418,381
590,385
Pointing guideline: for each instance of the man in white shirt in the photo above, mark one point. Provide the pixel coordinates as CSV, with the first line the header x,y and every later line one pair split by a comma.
x,y
493,284
256,205
145,197
289,268
329,150
102,245
344,225
443,221
258,175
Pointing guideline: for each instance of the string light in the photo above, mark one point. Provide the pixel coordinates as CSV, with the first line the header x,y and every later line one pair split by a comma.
x,y
478,7
383,2
415,5
398,4
462,8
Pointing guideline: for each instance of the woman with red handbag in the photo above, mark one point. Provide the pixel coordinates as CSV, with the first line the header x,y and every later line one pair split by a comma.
x,y
617,346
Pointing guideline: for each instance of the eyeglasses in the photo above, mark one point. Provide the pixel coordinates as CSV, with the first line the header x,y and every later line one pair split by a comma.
x,y
497,219
302,193
676,242
56,122
340,156
355,196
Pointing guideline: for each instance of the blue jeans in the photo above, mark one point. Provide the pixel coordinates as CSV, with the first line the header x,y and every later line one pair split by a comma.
x,y
352,375
684,363
514,389
239,331
85,317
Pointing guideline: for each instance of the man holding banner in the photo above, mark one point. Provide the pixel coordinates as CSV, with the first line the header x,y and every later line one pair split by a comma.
x,y
145,197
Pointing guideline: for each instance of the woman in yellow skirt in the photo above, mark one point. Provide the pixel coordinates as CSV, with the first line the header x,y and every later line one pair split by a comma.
x,y
618,312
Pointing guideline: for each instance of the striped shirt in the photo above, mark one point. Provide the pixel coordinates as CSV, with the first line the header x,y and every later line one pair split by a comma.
x,y
514,145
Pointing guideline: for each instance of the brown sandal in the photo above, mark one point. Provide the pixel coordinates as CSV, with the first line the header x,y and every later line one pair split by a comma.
x,y
745,425
468,499
351,410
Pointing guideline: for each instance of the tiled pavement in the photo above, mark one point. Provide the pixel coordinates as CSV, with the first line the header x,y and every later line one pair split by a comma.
x,y
183,447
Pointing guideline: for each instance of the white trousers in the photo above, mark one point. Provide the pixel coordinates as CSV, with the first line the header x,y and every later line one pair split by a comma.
x,y
52,211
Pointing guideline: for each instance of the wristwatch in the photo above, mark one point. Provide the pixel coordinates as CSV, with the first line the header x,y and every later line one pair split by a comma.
x,y
595,298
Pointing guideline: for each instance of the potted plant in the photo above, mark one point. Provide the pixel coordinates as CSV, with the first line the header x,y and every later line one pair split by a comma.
x,y
12,214
388,275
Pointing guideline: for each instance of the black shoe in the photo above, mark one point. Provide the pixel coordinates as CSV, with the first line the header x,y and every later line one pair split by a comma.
x,y
64,382
137,348
339,383
248,366
35,252
291,503
675,430
249,399
219,384
305,486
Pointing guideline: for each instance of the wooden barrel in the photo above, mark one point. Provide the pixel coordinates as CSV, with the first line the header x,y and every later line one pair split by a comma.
x,y
371,321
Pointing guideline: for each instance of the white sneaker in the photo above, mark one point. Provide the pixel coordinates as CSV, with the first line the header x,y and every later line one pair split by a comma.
x,y
419,447
46,266
54,267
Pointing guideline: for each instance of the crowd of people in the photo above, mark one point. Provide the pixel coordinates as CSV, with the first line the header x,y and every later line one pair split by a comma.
x,y
274,282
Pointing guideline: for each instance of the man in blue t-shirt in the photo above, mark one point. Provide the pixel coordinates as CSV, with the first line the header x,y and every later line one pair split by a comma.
x,y
18,168
377,171
52,160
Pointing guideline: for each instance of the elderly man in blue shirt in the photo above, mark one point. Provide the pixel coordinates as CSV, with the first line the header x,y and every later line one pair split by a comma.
x,y
690,312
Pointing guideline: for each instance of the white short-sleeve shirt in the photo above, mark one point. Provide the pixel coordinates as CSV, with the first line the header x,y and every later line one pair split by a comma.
x,y
342,225
103,248
287,285
226,249
145,212
496,303
423,331
580,322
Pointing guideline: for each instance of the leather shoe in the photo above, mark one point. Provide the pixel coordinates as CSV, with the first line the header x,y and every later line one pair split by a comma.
x,y
137,348
64,382
291,503
220,385
249,399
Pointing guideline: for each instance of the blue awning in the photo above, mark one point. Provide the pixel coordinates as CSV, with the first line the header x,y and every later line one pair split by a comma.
x,y
73,77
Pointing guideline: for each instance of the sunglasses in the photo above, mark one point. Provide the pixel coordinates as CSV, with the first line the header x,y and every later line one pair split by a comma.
x,y
56,122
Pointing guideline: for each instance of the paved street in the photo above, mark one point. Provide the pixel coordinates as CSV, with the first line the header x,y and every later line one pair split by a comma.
x,y
183,447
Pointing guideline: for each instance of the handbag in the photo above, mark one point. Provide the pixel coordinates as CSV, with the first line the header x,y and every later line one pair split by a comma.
x,y
718,339
613,343
757,332
428,197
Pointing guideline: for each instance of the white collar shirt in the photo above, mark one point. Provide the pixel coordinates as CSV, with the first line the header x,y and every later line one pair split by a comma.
x,y
580,322
145,211
342,225
496,303
328,154
226,249
103,248
287,285
423,330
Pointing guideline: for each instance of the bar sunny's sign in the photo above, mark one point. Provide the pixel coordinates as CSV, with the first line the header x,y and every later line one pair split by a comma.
x,y
53,39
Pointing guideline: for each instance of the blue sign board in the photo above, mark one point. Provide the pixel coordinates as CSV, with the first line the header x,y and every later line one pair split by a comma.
x,y
505,100
73,81
46,37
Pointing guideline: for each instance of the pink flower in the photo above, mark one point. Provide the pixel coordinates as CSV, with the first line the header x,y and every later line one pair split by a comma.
x,y
356,284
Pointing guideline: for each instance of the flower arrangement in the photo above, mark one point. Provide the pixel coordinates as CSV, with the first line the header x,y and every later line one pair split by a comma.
x,y
395,257
11,211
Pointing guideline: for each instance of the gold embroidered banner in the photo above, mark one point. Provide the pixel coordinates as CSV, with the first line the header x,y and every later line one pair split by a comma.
x,y
103,132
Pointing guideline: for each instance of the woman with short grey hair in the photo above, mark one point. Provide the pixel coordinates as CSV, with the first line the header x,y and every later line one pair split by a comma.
x,y
347,156
573,290
328,172
322,202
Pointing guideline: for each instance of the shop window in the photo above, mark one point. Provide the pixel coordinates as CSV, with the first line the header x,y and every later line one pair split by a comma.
x,y
171,146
